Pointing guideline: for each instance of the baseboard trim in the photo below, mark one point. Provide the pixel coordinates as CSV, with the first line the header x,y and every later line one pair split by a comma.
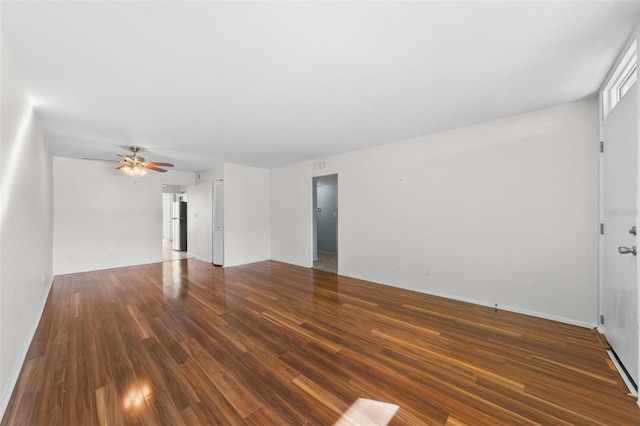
x,y
542,315
623,374
490,305
13,380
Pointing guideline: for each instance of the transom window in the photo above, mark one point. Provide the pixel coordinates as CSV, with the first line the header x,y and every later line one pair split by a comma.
x,y
621,80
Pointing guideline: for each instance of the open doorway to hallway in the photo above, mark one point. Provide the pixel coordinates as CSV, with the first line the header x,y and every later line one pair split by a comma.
x,y
174,223
325,223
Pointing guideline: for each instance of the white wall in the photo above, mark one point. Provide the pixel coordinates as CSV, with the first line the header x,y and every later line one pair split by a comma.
x,y
199,222
291,214
247,210
26,228
503,212
247,214
102,219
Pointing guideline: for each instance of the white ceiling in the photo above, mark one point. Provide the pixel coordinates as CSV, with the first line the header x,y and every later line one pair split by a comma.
x,y
272,83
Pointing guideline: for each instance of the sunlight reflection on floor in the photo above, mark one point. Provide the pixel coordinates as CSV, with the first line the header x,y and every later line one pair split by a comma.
x,y
368,412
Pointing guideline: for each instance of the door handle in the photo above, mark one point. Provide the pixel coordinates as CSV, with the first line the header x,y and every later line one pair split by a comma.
x,y
632,231
627,250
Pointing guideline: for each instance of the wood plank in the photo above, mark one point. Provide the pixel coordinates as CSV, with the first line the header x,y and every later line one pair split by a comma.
x,y
98,362
168,341
142,326
236,393
78,405
47,408
209,395
108,406
162,411
175,382
132,396
198,415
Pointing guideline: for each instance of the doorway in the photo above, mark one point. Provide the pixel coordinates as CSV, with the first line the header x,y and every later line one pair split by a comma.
x,y
170,195
325,223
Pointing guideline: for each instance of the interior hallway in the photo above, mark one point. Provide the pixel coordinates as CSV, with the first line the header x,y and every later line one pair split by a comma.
x,y
168,253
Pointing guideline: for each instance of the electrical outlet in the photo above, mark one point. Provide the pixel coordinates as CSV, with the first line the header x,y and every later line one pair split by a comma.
x,y
398,266
427,272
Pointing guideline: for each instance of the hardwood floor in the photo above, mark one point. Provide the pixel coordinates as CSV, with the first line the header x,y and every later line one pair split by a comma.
x,y
186,343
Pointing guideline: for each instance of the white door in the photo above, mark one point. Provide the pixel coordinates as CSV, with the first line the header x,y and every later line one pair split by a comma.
x,y
619,287
218,222
327,212
167,216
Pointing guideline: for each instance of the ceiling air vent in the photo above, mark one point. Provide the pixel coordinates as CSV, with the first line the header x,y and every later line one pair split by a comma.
x,y
320,165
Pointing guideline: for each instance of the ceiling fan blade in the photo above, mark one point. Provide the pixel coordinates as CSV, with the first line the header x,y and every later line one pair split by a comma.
x,y
157,169
153,163
100,159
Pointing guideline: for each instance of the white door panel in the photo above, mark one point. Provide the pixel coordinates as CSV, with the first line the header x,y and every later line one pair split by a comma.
x,y
218,222
619,292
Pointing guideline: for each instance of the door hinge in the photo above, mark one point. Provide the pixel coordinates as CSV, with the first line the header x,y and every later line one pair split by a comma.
x,y
602,229
601,146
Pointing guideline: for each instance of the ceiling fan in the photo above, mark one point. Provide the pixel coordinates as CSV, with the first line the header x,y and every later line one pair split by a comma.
x,y
135,165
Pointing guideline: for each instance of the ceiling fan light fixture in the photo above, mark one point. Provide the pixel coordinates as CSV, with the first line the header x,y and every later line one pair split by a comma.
x,y
135,171
136,166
